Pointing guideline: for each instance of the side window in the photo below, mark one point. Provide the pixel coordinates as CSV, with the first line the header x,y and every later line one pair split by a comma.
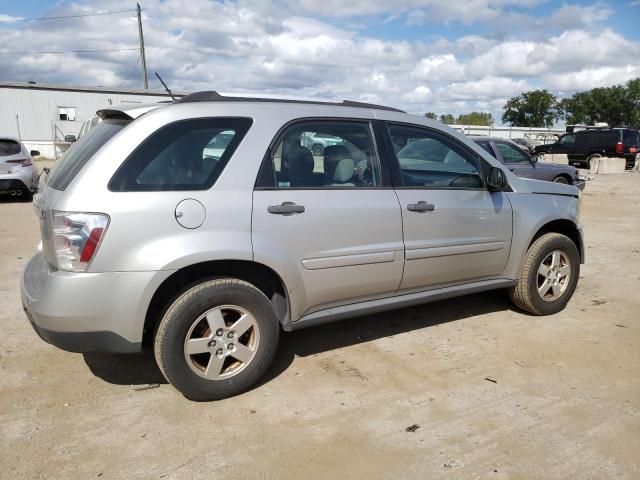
x,y
429,159
511,153
185,155
568,139
323,153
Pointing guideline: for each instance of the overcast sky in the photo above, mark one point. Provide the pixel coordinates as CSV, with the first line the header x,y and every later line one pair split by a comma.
x,y
420,55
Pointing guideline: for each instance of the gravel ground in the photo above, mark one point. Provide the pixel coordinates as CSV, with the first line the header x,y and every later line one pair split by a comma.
x,y
467,388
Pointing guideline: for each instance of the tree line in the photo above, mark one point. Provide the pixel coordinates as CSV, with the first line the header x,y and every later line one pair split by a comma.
x,y
618,106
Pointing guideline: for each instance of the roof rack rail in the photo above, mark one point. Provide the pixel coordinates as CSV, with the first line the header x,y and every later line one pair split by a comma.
x,y
213,96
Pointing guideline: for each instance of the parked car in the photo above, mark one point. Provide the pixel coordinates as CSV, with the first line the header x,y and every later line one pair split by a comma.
x,y
146,240
583,146
525,144
18,174
317,142
525,165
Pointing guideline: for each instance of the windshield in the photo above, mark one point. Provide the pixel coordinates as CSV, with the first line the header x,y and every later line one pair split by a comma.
x,y
65,169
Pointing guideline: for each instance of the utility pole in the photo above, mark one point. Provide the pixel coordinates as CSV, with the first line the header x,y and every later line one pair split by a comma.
x,y
142,57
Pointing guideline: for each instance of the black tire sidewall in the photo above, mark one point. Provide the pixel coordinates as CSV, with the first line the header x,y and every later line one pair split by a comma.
x,y
565,245
182,315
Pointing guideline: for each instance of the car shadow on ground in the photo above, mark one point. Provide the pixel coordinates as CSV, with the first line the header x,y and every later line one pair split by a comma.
x,y
141,369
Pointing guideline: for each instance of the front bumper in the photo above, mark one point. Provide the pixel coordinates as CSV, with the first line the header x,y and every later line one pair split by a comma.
x,y
82,312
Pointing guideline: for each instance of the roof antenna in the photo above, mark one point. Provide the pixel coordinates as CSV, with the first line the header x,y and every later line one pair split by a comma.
x,y
165,87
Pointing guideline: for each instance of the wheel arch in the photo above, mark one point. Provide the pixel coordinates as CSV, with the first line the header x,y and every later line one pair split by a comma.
x,y
565,227
259,275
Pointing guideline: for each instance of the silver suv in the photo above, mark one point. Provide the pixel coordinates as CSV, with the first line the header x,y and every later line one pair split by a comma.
x,y
152,236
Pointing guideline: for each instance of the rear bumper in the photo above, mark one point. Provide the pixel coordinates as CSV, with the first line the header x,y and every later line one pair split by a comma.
x,y
82,312
8,185
22,179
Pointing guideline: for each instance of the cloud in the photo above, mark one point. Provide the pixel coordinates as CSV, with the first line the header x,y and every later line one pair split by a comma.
x,y
312,49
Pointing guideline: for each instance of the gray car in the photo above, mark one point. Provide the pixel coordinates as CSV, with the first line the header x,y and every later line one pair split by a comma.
x,y
18,174
525,165
148,239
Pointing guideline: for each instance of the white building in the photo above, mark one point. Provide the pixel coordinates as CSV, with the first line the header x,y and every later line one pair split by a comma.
x,y
41,115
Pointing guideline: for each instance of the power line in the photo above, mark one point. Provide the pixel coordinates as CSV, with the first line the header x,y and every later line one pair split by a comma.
x,y
130,73
69,51
65,16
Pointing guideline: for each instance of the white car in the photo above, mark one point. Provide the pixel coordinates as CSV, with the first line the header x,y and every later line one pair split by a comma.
x,y
18,174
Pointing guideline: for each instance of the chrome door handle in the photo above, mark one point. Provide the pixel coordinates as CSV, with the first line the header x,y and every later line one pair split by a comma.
x,y
285,208
421,206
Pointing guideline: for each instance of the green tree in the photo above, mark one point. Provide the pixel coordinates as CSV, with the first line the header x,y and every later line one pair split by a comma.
x,y
431,115
448,119
617,105
537,108
475,118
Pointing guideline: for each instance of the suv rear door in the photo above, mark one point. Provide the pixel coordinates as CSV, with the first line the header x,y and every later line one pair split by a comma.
x,y
330,222
455,230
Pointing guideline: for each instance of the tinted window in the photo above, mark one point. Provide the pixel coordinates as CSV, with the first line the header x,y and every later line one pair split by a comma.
x,y
567,139
511,153
79,154
9,147
429,159
185,155
631,137
315,154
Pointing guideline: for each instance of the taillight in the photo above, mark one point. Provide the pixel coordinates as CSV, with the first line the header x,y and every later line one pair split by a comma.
x,y
619,148
76,237
26,162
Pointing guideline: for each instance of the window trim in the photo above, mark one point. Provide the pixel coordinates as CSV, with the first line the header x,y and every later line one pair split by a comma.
x,y
265,180
245,123
394,163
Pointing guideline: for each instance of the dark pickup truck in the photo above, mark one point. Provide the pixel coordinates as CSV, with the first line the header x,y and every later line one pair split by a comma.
x,y
583,146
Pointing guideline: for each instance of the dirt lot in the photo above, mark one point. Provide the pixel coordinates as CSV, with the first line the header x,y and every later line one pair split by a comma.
x,y
491,392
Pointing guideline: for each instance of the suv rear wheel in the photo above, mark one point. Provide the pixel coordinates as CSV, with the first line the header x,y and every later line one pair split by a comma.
x,y
217,339
549,275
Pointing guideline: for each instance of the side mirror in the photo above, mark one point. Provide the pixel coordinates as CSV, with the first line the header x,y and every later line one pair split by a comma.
x,y
35,153
496,180
535,157
70,138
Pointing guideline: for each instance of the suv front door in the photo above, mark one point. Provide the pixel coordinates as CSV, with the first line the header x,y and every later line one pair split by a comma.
x,y
328,221
455,230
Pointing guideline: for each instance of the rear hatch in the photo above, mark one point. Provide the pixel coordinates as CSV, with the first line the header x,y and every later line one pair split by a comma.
x,y
630,141
54,184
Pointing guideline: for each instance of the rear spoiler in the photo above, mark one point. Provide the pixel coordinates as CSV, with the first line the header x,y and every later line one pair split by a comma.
x,y
129,113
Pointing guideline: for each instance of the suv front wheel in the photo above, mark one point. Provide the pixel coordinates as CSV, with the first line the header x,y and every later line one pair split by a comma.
x,y
549,275
217,339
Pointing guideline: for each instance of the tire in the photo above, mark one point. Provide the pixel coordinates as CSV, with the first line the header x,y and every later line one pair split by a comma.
x,y
590,159
215,371
526,294
317,150
561,179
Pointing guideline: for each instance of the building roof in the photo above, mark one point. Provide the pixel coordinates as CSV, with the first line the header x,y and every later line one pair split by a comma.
x,y
72,88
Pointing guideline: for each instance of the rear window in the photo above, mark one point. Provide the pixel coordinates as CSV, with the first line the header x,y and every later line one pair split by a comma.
x,y
631,137
185,155
65,170
9,147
